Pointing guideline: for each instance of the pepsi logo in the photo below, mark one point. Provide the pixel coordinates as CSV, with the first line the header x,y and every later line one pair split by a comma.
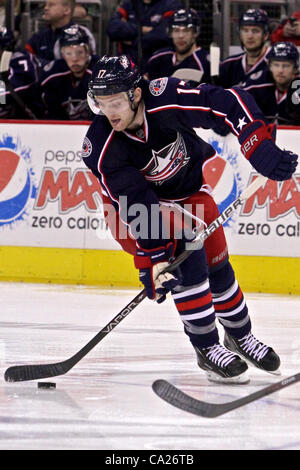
x,y
15,186
220,176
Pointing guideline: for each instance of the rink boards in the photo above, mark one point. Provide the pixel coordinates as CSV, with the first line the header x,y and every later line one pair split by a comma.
x,y
51,219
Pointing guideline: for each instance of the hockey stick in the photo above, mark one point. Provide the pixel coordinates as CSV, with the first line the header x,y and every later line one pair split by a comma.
x,y
5,60
176,397
41,371
214,52
188,74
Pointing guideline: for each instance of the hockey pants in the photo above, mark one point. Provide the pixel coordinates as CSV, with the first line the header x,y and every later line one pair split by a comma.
x,y
208,288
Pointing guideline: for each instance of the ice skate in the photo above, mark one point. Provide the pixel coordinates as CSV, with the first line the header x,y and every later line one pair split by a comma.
x,y
222,365
254,352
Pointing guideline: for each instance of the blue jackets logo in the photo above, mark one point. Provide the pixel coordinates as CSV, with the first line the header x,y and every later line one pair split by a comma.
x,y
166,162
17,187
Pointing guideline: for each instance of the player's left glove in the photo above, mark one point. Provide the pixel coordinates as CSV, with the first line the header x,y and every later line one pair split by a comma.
x,y
150,264
258,147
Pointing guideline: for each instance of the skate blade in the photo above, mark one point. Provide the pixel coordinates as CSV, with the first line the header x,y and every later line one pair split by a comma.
x,y
238,380
273,372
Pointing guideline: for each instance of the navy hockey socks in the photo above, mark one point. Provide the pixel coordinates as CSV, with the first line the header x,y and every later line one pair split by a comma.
x,y
232,311
195,306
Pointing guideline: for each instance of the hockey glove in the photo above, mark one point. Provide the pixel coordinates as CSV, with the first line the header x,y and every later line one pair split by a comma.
x,y
150,263
258,147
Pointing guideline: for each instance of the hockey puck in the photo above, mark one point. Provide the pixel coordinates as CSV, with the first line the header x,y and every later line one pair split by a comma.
x,y
46,385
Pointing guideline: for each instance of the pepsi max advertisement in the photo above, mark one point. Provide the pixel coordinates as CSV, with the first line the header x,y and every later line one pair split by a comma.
x,y
268,223
49,198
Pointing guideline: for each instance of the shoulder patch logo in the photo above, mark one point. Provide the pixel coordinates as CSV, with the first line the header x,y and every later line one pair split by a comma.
x,y
86,148
158,86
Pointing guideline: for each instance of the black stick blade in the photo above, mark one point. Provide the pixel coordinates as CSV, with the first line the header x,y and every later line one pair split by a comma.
x,y
179,399
34,372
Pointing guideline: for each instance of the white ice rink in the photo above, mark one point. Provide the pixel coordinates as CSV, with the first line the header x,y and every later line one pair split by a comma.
x,y
106,401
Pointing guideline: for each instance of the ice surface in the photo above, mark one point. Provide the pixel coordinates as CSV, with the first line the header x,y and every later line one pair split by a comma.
x,y
106,400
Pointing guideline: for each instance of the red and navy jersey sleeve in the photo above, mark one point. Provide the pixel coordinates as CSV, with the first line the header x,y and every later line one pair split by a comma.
x,y
206,106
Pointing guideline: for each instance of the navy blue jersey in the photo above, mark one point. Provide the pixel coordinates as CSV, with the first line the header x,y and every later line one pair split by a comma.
x,y
42,42
123,26
234,70
163,63
64,95
164,159
271,101
24,69
23,77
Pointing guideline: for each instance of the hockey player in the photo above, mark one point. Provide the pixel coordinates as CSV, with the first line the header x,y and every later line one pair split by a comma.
x,y
141,24
58,16
64,82
142,147
254,33
19,97
184,29
270,91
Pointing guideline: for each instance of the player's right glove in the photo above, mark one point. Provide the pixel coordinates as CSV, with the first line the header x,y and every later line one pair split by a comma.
x,y
258,147
150,264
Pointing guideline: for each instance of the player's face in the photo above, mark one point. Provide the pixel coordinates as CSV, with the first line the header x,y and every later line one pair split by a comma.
x,y
252,37
54,10
76,58
183,38
117,109
283,71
